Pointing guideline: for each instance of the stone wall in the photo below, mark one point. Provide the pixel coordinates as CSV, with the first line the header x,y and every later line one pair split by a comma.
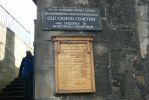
x,y
12,50
142,14
117,55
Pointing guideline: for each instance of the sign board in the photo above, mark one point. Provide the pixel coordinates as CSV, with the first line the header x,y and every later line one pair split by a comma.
x,y
74,70
71,19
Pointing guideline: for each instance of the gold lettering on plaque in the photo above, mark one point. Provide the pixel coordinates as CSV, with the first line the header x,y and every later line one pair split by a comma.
x,y
74,66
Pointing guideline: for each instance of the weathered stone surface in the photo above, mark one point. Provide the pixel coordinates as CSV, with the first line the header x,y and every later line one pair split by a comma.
x,y
121,13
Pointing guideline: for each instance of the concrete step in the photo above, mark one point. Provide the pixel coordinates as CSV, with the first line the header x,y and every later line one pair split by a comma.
x,y
19,78
13,98
19,82
16,90
13,93
15,85
11,89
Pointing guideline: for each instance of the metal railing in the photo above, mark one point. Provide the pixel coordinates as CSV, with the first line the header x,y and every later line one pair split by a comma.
x,y
10,22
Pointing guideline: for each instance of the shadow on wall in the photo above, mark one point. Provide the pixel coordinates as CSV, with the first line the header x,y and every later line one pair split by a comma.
x,y
8,70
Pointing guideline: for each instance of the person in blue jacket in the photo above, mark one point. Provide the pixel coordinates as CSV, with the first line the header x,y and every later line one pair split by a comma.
x,y
26,71
26,67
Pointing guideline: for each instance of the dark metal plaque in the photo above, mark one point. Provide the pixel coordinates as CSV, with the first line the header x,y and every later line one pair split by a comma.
x,y
71,19
74,70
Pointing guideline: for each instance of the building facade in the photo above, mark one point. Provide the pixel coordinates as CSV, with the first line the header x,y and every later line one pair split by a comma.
x,y
120,50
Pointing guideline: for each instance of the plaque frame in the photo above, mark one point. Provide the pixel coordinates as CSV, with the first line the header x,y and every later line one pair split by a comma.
x,y
73,40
